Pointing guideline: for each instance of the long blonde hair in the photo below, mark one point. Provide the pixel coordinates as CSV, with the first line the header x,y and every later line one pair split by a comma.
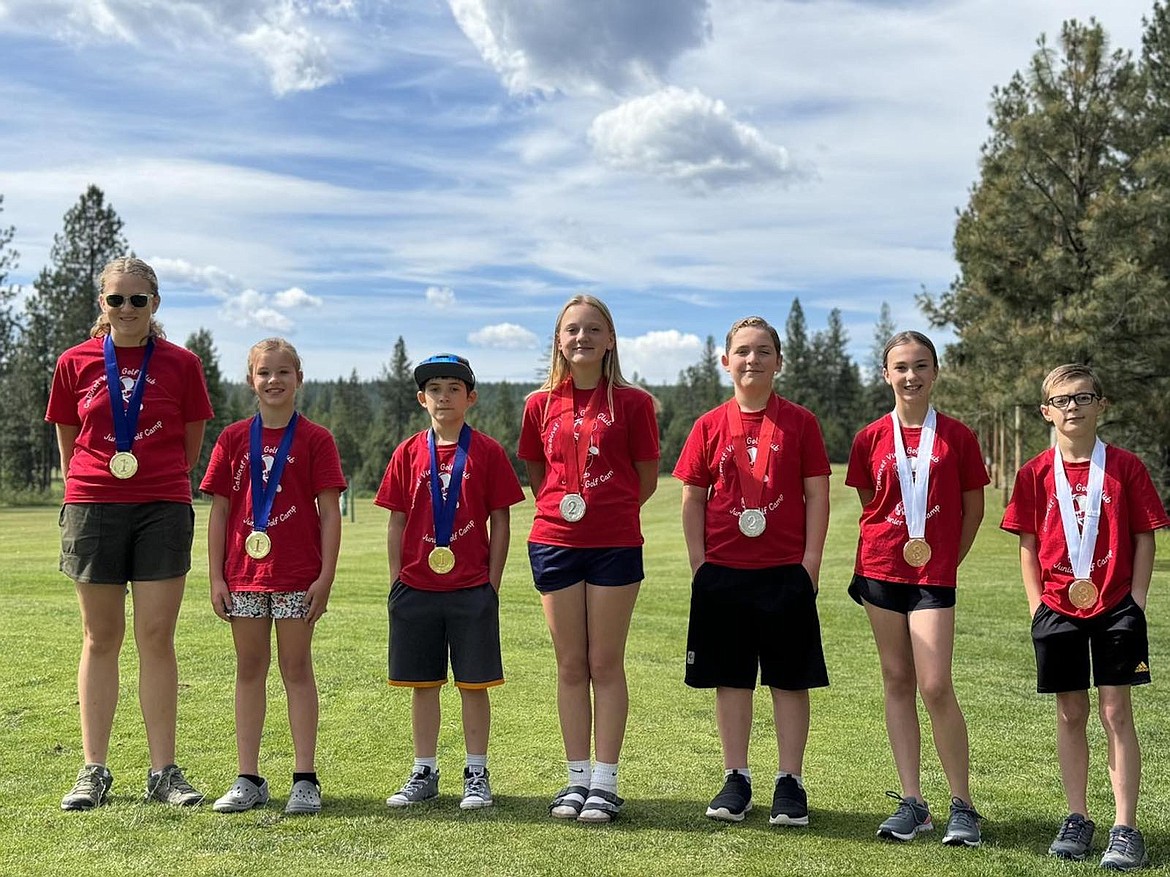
x,y
125,265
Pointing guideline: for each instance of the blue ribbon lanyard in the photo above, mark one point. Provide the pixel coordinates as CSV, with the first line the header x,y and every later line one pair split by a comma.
x,y
444,512
263,495
125,415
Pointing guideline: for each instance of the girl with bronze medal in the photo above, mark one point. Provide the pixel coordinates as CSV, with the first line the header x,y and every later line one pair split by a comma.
x,y
1081,541
258,543
442,559
752,520
914,479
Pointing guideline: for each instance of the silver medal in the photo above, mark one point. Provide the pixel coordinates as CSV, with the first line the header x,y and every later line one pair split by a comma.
x,y
573,507
752,522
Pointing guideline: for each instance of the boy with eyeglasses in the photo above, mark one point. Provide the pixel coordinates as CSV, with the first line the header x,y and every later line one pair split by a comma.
x,y
1086,513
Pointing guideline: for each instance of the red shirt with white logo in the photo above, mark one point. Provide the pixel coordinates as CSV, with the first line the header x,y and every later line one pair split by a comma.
x,y
1129,505
623,436
294,525
489,483
175,395
708,461
956,466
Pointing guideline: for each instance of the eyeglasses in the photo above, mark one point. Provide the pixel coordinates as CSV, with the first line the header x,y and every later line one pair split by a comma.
x,y
1081,399
116,300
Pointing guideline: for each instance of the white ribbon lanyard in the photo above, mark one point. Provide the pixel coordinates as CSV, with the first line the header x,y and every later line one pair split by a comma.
x,y
914,481
1081,542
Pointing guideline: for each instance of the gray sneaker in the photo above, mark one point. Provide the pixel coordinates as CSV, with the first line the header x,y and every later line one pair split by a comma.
x,y
243,795
477,791
423,785
305,797
1074,838
1126,850
171,787
911,819
90,790
963,826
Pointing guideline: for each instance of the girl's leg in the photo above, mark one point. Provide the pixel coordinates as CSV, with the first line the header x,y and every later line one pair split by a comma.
x,y
1125,755
733,718
294,654
891,634
103,625
424,721
1072,748
564,611
252,637
932,632
477,719
608,614
156,612
790,710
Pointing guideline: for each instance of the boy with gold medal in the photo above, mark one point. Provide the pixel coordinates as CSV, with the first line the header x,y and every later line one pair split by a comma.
x,y
449,490
1086,513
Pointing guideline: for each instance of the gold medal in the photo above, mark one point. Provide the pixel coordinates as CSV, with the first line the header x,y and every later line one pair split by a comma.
x,y
258,544
572,507
916,552
441,559
123,465
1082,593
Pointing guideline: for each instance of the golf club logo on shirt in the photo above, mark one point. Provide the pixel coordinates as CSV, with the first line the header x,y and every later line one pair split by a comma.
x,y
268,460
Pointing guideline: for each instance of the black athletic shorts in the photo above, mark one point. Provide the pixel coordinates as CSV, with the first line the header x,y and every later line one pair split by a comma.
x,y
1116,641
426,625
900,597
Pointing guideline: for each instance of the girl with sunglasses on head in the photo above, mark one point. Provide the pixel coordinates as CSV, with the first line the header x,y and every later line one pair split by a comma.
x,y
129,409
590,442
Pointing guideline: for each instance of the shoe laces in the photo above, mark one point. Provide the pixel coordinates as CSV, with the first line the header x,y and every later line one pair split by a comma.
x,y
961,809
1120,839
172,778
1074,829
906,806
476,784
89,782
417,781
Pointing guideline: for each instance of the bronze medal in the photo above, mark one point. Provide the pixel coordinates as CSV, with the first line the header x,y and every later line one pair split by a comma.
x,y
441,559
123,465
258,544
572,507
916,552
752,522
1082,593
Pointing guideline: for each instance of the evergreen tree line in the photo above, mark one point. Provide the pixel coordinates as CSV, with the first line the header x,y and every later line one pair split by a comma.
x,y
1063,251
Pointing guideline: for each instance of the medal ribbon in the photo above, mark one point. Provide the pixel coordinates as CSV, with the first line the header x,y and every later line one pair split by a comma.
x,y
1081,542
751,484
125,415
444,512
263,494
578,453
915,482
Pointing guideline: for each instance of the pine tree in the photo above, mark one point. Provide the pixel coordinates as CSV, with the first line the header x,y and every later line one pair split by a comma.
x,y
796,381
201,344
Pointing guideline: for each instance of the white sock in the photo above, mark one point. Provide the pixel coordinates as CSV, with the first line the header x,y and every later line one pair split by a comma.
x,y
420,763
798,777
604,777
579,772
476,763
745,772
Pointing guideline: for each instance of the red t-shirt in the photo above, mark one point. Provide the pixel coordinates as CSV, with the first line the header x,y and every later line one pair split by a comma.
x,y
956,466
624,436
707,461
1129,505
175,395
489,483
311,466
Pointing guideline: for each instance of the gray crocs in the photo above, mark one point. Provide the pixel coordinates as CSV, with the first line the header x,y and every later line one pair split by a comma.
x,y
304,798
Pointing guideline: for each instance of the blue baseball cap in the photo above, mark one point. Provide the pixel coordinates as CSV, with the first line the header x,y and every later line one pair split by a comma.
x,y
444,365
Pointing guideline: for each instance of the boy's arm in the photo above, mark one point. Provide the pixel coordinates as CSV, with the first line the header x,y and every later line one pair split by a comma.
x,y
1030,570
329,511
972,518
694,525
1143,567
866,495
536,470
499,529
816,525
221,600
394,531
647,479
66,438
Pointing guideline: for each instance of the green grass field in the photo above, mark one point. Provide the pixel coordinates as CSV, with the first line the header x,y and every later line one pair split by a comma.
x,y
671,764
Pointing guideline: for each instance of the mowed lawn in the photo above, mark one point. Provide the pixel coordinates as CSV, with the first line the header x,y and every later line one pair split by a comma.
x,y
671,764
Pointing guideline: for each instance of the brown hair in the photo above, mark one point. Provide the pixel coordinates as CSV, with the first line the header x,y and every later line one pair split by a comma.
x,y
909,337
125,265
1070,371
755,322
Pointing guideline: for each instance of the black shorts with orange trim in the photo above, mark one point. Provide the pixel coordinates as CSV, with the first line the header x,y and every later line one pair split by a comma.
x,y
426,626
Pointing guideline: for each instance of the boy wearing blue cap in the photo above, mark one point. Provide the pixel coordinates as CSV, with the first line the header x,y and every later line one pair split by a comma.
x,y
449,490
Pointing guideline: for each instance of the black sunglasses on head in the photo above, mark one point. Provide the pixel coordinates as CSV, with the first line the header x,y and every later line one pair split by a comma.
x,y
116,300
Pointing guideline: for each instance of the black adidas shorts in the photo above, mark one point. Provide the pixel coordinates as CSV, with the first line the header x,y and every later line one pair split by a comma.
x,y
1115,640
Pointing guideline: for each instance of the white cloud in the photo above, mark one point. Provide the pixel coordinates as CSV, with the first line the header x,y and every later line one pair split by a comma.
x,y
658,357
687,137
504,336
251,308
441,297
575,46
295,297
181,271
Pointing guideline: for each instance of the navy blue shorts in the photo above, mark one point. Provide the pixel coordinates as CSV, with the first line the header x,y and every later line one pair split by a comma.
x,y
899,596
555,567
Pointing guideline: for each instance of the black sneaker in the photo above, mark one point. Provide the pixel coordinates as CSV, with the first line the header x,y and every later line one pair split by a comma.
x,y
789,803
734,800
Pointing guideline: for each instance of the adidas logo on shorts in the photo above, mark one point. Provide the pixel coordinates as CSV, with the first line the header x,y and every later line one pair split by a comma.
x,y
1142,667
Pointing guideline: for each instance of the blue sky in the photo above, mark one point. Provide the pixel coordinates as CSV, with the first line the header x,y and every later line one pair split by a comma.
x,y
343,172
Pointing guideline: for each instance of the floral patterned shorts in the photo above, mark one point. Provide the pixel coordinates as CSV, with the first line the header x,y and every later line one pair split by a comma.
x,y
259,604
